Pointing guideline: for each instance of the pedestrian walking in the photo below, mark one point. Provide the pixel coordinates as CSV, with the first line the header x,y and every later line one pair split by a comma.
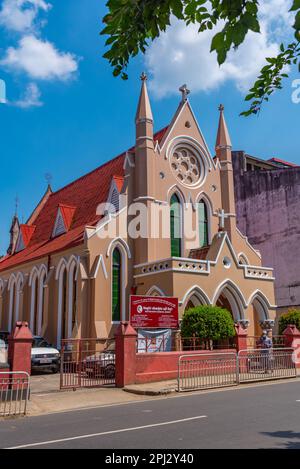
x,y
265,343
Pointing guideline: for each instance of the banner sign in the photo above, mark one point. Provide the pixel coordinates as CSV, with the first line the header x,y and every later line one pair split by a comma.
x,y
154,340
153,312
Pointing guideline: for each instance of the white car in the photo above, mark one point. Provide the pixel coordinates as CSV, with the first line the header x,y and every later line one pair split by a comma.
x,y
3,352
44,356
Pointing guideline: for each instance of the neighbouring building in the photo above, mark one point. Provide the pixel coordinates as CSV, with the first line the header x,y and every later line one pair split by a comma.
x,y
71,268
267,195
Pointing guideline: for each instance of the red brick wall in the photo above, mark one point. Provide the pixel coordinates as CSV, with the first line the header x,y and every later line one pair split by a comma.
x,y
161,366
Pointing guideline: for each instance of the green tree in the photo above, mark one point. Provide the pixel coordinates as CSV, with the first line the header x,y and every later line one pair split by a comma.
x,y
207,322
291,317
132,24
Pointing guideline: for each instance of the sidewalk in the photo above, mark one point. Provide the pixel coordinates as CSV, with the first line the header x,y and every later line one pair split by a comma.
x,y
47,399
159,388
64,401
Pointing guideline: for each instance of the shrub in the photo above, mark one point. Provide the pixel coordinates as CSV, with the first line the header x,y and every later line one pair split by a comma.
x,y
207,322
291,317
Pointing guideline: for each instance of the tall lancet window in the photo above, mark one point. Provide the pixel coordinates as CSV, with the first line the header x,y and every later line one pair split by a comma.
x,y
74,300
175,228
116,285
203,224
64,305
12,306
35,305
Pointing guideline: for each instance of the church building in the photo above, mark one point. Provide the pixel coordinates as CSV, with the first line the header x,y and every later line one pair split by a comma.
x,y
159,219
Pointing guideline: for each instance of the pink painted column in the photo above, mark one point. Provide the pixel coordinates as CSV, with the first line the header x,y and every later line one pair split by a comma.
x,y
292,340
241,337
19,348
125,354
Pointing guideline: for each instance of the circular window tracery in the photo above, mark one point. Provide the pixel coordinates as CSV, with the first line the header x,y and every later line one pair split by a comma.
x,y
185,166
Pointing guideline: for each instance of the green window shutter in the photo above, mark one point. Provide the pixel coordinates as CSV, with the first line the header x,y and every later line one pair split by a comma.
x,y
116,286
203,224
175,219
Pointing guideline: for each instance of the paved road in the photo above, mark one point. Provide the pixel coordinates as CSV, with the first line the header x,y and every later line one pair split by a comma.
x,y
266,416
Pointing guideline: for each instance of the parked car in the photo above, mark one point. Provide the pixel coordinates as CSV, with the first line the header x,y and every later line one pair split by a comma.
x,y
44,356
4,336
102,366
3,351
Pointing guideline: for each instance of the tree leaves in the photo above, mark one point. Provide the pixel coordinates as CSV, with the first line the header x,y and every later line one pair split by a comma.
x,y
296,5
271,76
132,24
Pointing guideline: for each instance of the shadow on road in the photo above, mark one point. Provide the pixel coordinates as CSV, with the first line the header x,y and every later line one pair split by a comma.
x,y
293,438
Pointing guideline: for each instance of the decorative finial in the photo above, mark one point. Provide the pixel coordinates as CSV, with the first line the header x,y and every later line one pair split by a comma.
x,y
185,92
221,108
16,205
144,76
48,177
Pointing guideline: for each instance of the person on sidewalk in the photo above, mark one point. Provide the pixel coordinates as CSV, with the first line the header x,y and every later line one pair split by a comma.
x,y
265,343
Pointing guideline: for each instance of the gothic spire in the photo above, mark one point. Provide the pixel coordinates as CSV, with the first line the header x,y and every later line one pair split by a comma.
x,y
144,107
223,137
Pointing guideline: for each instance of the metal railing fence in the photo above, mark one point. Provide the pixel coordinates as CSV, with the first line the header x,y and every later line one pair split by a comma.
x,y
198,343
215,370
182,344
87,363
205,371
14,393
278,341
265,364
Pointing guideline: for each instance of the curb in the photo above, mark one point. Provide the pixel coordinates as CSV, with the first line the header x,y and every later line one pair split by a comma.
x,y
150,392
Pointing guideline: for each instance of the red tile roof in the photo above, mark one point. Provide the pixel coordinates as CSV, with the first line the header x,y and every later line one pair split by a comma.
x,y
85,193
199,253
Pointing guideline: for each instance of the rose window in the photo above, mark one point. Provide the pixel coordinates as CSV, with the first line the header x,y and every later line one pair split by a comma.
x,y
185,165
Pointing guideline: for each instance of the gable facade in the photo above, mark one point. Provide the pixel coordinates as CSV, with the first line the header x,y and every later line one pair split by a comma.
x,y
83,260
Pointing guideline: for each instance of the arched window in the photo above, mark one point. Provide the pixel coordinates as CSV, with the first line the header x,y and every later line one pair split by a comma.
x,y
74,298
41,313
175,228
1,300
35,305
116,285
203,224
12,305
243,260
19,291
64,305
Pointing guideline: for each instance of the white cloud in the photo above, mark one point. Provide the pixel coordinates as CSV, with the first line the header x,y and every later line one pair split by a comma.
x,y
20,15
31,98
182,55
40,60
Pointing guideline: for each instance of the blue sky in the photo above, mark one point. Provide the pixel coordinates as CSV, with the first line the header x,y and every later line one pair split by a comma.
x,y
68,119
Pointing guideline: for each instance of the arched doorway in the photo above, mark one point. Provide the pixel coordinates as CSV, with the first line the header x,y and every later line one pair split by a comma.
x,y
224,303
260,312
195,297
228,296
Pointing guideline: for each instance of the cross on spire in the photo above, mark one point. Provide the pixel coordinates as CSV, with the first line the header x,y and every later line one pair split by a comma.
x,y
144,76
48,177
16,205
185,92
221,108
222,217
